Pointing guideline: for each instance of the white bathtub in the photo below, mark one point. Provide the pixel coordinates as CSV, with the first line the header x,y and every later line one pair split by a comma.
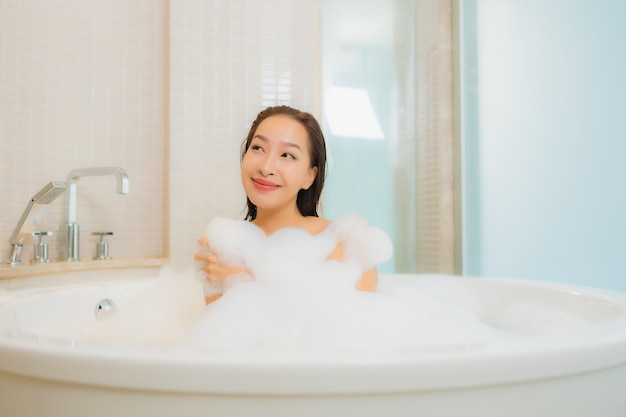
x,y
579,371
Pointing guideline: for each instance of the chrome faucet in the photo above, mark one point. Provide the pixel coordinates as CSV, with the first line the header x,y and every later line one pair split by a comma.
x,y
44,196
73,236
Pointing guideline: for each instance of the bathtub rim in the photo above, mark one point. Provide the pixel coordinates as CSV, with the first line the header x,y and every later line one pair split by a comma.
x,y
202,375
602,347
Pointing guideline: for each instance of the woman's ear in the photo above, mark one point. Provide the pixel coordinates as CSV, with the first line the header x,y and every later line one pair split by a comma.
x,y
310,179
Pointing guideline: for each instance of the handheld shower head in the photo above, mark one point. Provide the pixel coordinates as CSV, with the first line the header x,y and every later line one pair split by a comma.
x,y
50,192
44,196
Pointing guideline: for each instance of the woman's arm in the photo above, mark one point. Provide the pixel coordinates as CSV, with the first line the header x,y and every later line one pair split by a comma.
x,y
368,281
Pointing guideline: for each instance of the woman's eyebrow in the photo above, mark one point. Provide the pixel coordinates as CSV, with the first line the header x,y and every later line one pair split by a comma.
x,y
284,142
292,145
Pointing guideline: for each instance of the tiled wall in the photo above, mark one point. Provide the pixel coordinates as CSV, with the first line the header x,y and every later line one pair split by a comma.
x,y
230,59
82,85
166,90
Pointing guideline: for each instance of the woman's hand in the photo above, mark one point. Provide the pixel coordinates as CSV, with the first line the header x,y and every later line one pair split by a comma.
x,y
368,280
215,270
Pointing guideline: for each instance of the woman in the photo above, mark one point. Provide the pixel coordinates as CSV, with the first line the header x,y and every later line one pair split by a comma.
x,y
283,164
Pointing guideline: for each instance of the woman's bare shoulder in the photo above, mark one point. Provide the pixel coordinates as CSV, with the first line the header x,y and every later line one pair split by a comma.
x,y
315,225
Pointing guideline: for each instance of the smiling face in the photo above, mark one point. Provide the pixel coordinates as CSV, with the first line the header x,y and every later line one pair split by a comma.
x,y
277,164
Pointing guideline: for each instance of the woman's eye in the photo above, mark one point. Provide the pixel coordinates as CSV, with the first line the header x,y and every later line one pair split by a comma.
x,y
256,148
288,156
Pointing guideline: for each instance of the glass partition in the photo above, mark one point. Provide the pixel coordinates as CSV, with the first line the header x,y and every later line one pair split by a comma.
x,y
359,77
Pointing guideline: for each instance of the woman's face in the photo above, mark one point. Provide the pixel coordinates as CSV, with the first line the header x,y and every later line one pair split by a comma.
x,y
277,164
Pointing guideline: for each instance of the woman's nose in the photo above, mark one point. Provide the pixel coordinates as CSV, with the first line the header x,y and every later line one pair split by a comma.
x,y
268,165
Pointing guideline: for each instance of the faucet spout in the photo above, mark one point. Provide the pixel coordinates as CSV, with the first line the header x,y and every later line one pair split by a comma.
x,y
123,187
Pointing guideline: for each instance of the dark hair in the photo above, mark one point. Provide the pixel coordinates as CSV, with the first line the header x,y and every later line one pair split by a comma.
x,y
308,199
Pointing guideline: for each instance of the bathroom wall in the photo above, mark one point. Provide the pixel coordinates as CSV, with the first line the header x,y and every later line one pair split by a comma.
x,y
82,84
229,60
166,90
544,99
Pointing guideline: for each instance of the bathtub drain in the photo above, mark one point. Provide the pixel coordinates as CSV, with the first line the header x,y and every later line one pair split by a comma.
x,y
104,308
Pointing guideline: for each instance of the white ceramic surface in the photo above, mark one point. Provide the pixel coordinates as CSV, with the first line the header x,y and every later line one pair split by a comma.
x,y
577,370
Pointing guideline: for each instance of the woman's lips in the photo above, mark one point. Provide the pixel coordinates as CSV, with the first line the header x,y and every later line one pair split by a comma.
x,y
264,185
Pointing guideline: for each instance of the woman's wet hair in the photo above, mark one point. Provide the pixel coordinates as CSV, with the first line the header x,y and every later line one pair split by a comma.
x,y
307,200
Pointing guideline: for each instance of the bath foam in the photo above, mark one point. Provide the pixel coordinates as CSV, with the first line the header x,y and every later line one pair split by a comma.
x,y
293,257
296,300
266,317
299,300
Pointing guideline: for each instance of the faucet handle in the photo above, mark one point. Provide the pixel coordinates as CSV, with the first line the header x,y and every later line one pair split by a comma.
x,y
102,247
40,254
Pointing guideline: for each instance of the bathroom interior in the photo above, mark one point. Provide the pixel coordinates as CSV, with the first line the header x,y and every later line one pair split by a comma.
x,y
496,147
501,148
